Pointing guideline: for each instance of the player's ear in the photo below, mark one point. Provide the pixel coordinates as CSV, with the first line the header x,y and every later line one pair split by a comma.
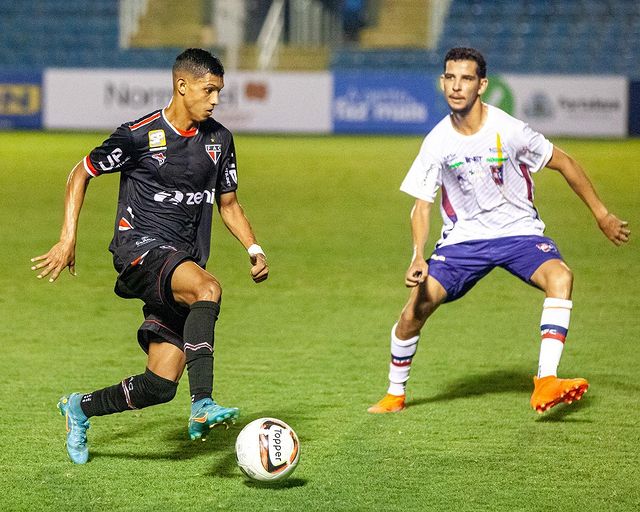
x,y
442,83
484,83
181,86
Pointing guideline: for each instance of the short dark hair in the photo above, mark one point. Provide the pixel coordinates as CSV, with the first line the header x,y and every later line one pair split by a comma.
x,y
467,54
198,62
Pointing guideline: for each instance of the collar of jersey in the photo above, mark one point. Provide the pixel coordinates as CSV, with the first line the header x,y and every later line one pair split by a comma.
x,y
182,133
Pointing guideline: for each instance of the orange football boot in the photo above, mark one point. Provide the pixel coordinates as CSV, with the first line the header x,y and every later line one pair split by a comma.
x,y
389,403
551,390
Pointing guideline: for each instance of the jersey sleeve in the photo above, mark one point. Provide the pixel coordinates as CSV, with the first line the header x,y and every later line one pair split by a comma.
x,y
116,154
534,149
423,179
228,175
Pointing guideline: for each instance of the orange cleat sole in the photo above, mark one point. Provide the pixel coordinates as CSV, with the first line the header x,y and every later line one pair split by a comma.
x,y
389,403
550,391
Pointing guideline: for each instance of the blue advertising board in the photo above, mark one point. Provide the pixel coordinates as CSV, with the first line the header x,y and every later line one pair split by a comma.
x,y
386,102
634,107
20,99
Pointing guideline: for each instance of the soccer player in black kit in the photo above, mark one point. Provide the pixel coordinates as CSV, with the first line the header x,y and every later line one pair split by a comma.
x,y
174,164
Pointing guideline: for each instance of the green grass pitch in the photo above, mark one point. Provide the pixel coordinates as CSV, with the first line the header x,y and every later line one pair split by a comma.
x,y
310,346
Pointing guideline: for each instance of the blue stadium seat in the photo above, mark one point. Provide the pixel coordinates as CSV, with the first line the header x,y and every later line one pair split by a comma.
x,y
546,36
550,36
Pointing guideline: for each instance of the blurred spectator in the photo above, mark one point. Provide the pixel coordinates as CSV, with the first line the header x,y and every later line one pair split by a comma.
x,y
353,19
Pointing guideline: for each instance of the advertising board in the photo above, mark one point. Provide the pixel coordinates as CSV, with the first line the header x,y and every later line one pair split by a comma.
x,y
386,102
250,102
20,99
571,105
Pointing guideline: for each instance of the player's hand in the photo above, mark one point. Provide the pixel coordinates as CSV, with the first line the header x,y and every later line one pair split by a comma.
x,y
259,267
59,257
417,273
615,229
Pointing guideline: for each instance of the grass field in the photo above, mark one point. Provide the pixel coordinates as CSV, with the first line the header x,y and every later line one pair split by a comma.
x,y
310,346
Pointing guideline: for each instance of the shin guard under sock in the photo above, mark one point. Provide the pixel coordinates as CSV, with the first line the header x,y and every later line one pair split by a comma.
x,y
198,347
402,352
134,392
554,326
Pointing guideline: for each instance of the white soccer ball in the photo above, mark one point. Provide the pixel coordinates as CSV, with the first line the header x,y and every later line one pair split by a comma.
x,y
267,449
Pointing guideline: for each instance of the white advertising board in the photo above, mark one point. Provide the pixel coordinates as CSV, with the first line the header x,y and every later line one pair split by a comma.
x,y
572,105
102,99
277,102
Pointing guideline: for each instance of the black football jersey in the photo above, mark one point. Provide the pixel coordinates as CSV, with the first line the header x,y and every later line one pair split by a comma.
x,y
169,181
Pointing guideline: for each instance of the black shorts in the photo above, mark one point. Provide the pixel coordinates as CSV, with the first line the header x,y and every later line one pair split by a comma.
x,y
148,278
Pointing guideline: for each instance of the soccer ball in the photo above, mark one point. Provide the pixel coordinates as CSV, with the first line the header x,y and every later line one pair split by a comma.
x,y
267,449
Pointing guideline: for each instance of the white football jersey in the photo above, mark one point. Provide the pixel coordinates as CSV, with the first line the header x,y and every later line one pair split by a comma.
x,y
487,188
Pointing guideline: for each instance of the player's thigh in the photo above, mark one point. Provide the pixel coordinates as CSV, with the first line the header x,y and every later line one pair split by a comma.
x,y
555,278
191,283
166,360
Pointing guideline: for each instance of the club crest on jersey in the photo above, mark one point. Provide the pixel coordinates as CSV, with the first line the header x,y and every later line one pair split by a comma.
x,y
159,157
157,140
214,151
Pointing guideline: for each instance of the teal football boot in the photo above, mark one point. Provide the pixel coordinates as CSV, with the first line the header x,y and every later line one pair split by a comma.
x,y
206,414
77,424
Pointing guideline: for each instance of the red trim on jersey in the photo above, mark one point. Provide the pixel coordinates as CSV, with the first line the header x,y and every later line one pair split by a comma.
x,y
144,122
88,166
182,133
124,225
188,133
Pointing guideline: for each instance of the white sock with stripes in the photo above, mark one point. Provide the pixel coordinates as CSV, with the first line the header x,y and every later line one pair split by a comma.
x,y
554,326
402,352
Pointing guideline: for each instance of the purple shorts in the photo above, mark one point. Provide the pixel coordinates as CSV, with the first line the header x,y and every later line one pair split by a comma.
x,y
459,267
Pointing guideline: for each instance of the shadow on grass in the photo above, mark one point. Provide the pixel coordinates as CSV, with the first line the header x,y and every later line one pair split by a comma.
x,y
501,381
289,483
174,444
497,381
561,412
227,468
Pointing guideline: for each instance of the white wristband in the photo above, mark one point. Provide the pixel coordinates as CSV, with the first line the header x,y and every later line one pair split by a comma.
x,y
255,249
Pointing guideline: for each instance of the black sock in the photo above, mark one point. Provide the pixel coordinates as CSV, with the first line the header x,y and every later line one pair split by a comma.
x,y
198,347
134,392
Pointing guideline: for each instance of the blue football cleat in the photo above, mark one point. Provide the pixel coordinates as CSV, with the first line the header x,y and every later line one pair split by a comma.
x,y
206,414
77,424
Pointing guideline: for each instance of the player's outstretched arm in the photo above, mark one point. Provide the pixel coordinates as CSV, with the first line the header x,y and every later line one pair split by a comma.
x,y
63,253
236,221
613,228
418,270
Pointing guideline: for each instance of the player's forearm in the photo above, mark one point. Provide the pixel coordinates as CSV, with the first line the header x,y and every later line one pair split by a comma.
x,y
583,188
579,182
238,224
76,189
420,215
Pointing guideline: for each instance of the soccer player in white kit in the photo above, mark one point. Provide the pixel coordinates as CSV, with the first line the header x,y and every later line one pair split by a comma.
x,y
483,159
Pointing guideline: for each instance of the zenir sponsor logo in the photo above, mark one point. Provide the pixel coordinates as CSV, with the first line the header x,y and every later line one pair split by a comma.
x,y
191,198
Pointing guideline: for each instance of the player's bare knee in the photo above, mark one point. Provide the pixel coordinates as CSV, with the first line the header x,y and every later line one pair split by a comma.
x,y
209,290
560,283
